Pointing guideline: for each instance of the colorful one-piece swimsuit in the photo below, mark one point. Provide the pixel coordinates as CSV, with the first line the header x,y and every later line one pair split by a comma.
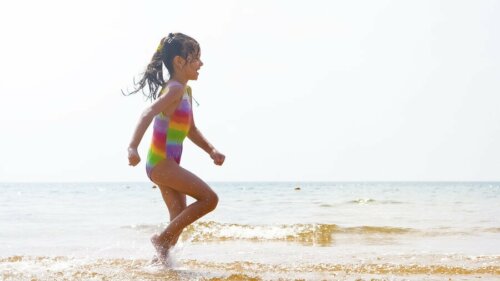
x,y
169,133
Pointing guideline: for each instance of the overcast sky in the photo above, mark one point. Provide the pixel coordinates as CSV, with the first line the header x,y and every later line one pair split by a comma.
x,y
290,90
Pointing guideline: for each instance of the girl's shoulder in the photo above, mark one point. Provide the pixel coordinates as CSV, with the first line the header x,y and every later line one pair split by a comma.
x,y
171,86
173,83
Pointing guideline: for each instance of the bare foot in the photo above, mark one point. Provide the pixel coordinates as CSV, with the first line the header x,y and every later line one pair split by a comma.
x,y
161,251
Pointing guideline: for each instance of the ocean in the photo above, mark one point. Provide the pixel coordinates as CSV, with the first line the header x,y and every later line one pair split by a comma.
x,y
259,231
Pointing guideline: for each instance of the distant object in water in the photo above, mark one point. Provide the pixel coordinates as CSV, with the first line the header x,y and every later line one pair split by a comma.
x,y
297,188
154,186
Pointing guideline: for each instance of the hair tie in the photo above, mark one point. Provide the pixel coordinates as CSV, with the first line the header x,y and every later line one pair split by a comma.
x,y
160,47
170,37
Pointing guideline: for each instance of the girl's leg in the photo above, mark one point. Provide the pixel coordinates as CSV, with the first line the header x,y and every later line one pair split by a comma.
x,y
168,172
176,203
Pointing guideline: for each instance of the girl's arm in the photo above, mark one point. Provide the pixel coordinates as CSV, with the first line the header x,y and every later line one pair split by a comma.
x,y
197,138
166,103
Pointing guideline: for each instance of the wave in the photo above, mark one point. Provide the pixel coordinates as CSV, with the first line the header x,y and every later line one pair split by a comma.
x,y
493,229
371,201
69,268
362,268
324,205
306,234
320,234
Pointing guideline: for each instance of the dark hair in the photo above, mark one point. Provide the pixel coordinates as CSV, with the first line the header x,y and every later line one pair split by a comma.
x,y
175,44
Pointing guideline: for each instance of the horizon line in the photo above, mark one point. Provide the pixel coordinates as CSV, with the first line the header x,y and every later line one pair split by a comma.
x,y
278,181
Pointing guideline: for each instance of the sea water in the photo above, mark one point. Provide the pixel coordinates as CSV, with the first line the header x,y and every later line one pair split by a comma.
x,y
259,231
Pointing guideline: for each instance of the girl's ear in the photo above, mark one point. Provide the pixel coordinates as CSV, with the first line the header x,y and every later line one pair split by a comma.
x,y
179,61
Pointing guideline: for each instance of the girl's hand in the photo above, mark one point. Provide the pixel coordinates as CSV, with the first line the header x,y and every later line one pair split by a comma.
x,y
133,156
217,157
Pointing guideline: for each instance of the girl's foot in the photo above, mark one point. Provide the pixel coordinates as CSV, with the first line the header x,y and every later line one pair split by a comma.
x,y
161,251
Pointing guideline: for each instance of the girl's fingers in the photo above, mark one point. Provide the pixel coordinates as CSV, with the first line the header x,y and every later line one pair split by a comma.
x,y
219,160
132,161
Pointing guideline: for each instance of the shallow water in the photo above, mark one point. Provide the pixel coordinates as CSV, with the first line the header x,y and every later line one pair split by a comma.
x,y
259,231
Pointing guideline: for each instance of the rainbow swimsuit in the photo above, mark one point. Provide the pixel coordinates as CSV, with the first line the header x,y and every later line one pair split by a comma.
x,y
170,132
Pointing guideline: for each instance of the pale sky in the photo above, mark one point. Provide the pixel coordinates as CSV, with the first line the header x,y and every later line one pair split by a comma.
x,y
290,90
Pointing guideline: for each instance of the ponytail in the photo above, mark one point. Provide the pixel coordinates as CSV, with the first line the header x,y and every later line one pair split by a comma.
x,y
152,76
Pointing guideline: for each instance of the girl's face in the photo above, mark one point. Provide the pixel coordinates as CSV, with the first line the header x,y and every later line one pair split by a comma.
x,y
192,66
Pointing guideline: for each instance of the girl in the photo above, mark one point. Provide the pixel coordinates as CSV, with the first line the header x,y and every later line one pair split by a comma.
x,y
173,121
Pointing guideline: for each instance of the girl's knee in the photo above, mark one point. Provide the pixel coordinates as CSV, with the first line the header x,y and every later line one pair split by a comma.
x,y
211,200
215,200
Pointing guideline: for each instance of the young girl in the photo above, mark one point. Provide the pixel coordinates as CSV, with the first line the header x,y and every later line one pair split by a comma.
x,y
173,121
